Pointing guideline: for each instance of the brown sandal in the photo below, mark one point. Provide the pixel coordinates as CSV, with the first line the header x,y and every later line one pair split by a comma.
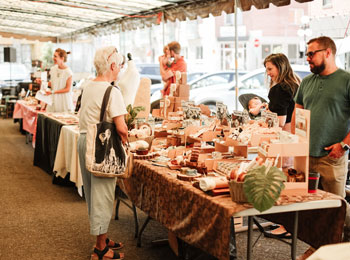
x,y
115,245
100,255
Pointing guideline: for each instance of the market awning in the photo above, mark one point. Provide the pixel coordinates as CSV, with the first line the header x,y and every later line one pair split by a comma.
x,y
53,19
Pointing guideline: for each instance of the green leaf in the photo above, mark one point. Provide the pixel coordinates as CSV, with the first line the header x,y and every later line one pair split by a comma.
x,y
263,190
132,114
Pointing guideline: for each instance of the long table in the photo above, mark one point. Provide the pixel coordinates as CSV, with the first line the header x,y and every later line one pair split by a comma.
x,y
47,136
67,159
206,222
29,115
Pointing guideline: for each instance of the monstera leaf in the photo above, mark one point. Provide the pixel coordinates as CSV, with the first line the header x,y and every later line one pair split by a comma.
x,y
262,188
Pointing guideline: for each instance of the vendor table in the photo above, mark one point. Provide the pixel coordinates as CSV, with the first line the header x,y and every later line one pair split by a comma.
x,y
207,222
47,135
67,159
28,113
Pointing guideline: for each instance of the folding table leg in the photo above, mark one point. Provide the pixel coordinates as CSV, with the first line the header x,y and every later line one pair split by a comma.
x,y
136,221
295,235
250,235
141,231
116,217
232,245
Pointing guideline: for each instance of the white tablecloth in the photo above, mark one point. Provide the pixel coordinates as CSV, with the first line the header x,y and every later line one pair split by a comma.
x,y
67,159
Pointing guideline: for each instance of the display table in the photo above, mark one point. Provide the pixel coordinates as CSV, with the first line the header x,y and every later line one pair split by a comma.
x,y
47,135
28,113
295,205
206,222
67,159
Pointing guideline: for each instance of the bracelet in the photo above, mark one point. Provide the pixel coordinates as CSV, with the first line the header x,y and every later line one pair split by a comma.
x,y
52,92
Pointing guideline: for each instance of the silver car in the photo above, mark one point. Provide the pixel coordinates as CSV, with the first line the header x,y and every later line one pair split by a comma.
x,y
203,83
252,82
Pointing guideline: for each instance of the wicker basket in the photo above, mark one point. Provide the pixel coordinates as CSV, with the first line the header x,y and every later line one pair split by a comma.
x,y
237,192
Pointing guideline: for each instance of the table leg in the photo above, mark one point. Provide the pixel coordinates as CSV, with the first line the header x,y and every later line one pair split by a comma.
x,y
250,235
232,245
141,231
136,221
295,235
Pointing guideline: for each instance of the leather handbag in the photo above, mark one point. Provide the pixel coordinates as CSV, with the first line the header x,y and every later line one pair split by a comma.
x,y
106,156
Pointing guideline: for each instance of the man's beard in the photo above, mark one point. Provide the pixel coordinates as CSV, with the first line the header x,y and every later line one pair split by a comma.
x,y
318,69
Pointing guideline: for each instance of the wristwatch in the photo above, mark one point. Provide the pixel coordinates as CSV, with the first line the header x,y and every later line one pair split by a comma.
x,y
345,146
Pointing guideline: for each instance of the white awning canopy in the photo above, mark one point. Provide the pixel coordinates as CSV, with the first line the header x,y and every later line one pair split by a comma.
x,y
53,19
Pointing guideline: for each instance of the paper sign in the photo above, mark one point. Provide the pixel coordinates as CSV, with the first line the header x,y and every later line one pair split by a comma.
x,y
44,98
270,118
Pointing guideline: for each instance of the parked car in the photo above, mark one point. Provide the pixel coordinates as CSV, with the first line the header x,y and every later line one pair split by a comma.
x,y
13,73
252,82
151,71
219,79
191,76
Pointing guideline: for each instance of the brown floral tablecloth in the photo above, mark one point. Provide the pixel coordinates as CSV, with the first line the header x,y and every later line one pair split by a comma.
x,y
204,221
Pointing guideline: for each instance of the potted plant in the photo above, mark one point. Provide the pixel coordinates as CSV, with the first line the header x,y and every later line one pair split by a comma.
x,y
131,115
263,185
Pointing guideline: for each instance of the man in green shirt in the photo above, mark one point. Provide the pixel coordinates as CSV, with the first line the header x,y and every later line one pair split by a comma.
x,y
326,93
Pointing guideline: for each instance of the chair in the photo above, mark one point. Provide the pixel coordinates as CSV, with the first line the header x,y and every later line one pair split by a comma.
x,y
4,107
10,105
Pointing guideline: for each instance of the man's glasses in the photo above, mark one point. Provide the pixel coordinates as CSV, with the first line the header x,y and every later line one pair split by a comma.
x,y
114,51
311,54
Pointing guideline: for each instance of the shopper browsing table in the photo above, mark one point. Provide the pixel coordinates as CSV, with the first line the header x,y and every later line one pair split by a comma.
x,y
168,72
326,93
283,86
60,83
100,192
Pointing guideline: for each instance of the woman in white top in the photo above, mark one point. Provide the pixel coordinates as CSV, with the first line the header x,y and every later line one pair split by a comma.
x,y
100,192
61,84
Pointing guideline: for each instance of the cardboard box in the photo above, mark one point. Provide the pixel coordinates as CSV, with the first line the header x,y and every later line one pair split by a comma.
x,y
183,79
173,140
177,103
156,113
182,91
239,149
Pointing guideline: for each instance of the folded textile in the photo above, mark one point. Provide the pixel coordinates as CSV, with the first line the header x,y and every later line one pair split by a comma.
x,y
210,183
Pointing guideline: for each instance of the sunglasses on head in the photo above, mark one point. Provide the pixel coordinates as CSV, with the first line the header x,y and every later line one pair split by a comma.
x,y
114,51
310,54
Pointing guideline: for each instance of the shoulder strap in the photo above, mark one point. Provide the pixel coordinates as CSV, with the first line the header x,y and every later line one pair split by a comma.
x,y
104,103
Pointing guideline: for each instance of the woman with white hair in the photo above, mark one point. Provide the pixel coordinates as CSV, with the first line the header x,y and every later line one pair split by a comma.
x,y
100,192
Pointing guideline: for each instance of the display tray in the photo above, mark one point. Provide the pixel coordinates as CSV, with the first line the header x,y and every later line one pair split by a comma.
x,y
185,177
174,166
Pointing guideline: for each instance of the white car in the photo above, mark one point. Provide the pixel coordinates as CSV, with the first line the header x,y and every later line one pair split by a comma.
x,y
13,73
202,83
253,82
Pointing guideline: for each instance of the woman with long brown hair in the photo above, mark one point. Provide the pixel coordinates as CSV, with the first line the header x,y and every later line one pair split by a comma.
x,y
283,86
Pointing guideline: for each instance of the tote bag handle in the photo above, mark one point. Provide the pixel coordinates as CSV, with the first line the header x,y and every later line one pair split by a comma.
x,y
104,103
